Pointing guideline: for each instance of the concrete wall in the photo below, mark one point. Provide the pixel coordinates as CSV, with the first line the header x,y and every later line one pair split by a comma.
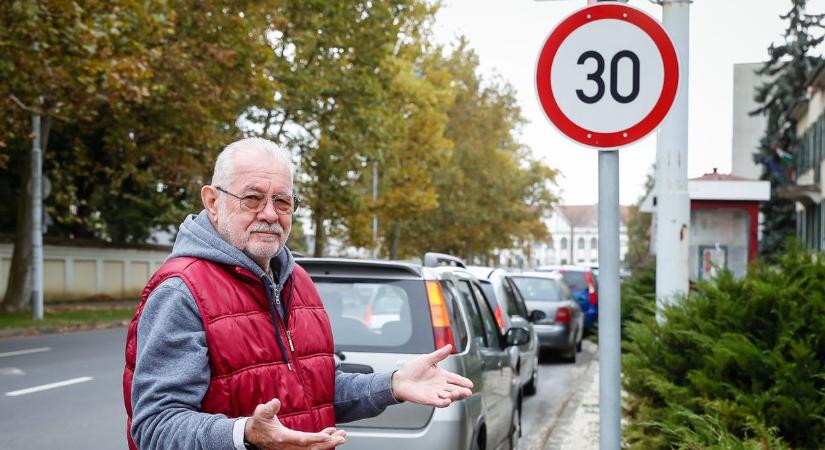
x,y
83,271
747,129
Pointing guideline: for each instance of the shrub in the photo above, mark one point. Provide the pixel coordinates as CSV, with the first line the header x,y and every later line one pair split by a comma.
x,y
736,359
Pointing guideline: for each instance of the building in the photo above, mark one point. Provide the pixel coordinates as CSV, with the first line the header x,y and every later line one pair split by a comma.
x,y
747,129
806,184
724,218
574,236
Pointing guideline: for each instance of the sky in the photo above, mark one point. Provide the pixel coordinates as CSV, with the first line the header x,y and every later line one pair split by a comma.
x,y
507,35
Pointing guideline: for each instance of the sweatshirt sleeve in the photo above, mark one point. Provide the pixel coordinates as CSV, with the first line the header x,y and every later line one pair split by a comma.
x,y
172,375
361,396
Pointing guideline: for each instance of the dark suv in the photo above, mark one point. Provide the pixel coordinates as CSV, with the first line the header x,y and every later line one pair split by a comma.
x,y
385,313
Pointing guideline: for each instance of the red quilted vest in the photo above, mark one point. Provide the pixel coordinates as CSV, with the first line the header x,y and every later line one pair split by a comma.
x,y
246,364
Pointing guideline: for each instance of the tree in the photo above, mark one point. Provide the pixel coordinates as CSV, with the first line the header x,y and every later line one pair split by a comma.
x,y
638,255
331,72
788,71
491,193
136,97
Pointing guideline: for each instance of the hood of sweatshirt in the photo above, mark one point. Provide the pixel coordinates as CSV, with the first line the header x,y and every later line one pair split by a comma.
x,y
197,238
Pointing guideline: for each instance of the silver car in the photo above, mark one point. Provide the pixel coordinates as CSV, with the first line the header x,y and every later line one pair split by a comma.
x,y
507,303
431,306
558,319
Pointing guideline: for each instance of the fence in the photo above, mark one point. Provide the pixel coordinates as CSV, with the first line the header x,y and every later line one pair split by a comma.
x,y
78,269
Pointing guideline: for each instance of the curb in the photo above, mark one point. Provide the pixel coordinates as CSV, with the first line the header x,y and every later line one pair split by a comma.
x,y
568,405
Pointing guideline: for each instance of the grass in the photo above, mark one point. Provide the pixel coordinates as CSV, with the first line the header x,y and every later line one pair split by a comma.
x,y
59,319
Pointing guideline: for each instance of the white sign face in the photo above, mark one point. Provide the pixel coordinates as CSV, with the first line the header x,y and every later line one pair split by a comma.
x,y
607,75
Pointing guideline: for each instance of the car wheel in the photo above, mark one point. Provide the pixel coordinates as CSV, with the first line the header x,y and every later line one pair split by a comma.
x,y
570,356
515,429
530,386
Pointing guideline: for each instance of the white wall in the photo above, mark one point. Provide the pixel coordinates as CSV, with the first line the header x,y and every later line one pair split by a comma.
x,y
747,129
83,271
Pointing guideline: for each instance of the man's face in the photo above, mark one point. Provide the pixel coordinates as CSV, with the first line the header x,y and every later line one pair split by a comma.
x,y
260,235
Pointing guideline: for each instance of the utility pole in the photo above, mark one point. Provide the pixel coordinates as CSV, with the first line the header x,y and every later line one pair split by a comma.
x,y
672,200
374,215
37,221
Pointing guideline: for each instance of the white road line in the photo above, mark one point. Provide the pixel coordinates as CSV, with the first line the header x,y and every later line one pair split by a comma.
x,y
25,352
11,371
45,387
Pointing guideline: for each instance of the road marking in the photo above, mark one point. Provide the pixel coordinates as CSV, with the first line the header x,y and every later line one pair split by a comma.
x,y
11,371
45,387
25,352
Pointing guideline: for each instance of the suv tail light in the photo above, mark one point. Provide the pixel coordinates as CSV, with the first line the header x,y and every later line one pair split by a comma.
x,y
442,332
563,314
593,296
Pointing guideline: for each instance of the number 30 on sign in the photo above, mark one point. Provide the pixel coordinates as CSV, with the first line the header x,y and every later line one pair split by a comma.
x,y
607,75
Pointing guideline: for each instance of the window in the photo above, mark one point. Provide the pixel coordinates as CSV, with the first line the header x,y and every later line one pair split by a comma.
x,y
563,243
581,243
489,320
472,312
550,243
515,304
594,243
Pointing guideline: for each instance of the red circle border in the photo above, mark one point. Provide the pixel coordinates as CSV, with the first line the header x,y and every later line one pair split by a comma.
x,y
667,96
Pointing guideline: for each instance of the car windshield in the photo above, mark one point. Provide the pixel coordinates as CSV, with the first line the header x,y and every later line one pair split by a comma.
x,y
539,289
377,315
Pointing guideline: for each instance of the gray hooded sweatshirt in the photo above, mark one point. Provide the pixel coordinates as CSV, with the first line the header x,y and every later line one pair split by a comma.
x,y
172,369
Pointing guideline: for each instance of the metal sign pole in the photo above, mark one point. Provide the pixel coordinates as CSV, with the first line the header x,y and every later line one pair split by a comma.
x,y
610,435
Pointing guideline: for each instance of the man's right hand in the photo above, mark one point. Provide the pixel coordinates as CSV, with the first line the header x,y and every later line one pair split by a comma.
x,y
265,431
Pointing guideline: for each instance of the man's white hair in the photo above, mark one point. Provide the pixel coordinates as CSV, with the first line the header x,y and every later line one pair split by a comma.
x,y
224,164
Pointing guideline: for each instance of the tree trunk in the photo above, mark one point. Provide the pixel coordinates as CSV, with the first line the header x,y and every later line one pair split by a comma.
x,y
19,291
320,233
395,240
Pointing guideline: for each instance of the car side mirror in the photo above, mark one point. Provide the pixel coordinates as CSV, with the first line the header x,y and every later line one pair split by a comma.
x,y
536,315
517,336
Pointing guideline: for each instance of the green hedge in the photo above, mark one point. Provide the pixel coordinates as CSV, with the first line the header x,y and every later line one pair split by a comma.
x,y
738,364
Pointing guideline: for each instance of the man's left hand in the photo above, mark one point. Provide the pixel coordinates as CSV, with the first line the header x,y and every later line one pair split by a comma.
x,y
422,381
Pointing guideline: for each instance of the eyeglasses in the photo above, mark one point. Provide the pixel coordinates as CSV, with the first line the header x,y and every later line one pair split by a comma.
x,y
284,204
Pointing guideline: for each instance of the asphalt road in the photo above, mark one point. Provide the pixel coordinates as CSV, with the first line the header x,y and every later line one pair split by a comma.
x,y
85,414
64,391
557,383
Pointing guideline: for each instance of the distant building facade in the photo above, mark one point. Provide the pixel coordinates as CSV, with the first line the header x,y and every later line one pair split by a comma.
x,y
806,183
747,129
574,236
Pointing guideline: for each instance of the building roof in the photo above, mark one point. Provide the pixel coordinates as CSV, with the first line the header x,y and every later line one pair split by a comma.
x,y
716,176
720,187
587,215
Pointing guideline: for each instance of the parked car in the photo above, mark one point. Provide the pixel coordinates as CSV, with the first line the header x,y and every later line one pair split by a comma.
x,y
559,321
584,281
433,305
508,304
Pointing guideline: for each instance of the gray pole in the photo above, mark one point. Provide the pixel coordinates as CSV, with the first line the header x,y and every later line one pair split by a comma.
x,y
374,215
672,200
610,309
609,303
37,221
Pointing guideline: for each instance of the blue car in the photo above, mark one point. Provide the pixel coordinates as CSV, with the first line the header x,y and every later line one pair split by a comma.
x,y
585,286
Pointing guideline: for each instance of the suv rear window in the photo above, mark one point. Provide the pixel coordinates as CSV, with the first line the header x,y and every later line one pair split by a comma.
x,y
377,315
575,279
539,289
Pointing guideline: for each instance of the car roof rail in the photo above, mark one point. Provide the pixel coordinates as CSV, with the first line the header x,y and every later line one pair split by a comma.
x,y
432,259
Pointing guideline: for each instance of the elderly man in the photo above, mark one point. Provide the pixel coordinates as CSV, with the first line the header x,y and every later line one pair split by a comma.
x,y
230,347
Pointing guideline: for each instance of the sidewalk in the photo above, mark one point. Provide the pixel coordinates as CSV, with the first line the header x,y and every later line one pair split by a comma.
x,y
578,426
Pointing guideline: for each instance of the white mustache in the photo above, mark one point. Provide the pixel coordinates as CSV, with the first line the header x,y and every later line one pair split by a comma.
x,y
264,227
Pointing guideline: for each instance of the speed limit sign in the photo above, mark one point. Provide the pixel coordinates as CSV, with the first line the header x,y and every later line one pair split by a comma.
x,y
607,75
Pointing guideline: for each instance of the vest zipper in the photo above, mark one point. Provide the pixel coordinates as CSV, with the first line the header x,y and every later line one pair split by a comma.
x,y
279,321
